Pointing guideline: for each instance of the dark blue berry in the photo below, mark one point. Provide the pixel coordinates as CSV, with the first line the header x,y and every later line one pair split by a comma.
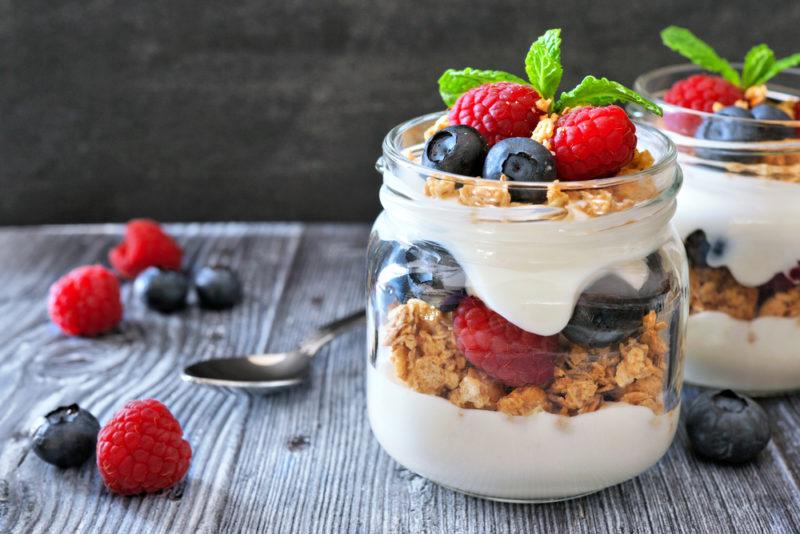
x,y
699,250
726,125
422,270
727,427
68,436
457,150
765,112
162,290
611,310
218,288
521,159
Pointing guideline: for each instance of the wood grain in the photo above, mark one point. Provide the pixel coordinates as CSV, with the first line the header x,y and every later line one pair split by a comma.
x,y
304,460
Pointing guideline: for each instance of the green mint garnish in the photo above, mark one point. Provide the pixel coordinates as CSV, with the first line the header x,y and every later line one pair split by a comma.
x,y
601,92
543,63
760,64
454,83
543,66
698,52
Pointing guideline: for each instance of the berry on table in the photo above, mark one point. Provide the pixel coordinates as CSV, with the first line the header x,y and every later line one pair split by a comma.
x,y
521,159
457,150
162,290
727,427
68,436
142,450
85,301
593,142
145,245
500,349
498,110
218,288
702,91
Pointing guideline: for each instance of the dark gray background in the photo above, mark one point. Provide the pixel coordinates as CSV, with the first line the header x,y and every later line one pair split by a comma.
x,y
266,109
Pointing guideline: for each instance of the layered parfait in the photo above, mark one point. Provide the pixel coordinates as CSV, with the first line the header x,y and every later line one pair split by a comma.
x,y
527,293
737,133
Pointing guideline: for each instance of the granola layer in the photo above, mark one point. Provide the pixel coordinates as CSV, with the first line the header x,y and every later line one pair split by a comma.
x,y
425,356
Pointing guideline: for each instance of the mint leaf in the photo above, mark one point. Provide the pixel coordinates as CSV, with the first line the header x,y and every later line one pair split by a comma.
x,y
543,63
600,92
454,83
780,66
757,63
698,52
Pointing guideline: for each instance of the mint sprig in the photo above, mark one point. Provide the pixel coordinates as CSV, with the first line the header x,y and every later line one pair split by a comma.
x,y
759,66
543,63
544,70
454,83
601,92
698,52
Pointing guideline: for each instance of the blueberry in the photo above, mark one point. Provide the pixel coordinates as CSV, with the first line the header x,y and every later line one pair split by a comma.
x,y
68,436
765,112
218,288
162,290
727,427
719,128
611,310
422,270
521,159
699,250
457,150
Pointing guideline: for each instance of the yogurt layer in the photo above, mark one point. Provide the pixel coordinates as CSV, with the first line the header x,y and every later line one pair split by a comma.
x,y
758,219
540,456
530,272
758,356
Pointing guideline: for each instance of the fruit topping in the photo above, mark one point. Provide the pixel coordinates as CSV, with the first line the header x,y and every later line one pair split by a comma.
x,y
699,250
218,288
727,427
501,106
696,92
498,110
702,91
162,290
457,150
142,450
500,349
593,142
85,301
717,128
145,245
68,436
421,270
765,112
610,309
521,159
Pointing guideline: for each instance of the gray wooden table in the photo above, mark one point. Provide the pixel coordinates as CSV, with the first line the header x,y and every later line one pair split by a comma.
x,y
304,460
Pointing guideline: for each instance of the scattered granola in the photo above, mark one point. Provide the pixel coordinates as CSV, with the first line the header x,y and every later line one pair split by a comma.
x,y
755,95
440,124
485,194
716,289
426,359
439,188
545,130
782,304
781,167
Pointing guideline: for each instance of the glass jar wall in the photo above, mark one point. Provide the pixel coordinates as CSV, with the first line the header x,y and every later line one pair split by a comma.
x,y
520,351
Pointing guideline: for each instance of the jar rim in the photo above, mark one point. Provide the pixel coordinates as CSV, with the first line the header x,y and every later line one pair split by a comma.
x,y
652,85
396,155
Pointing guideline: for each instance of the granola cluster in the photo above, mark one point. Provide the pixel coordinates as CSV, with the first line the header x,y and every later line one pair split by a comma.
x,y
715,289
425,357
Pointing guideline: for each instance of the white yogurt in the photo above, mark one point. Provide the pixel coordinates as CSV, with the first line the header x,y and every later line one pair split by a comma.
x,y
530,272
758,356
536,457
758,219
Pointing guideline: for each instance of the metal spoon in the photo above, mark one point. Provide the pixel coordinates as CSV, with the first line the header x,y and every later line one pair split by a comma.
x,y
268,373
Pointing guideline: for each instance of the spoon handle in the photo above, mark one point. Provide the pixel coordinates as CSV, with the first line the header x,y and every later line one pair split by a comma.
x,y
328,331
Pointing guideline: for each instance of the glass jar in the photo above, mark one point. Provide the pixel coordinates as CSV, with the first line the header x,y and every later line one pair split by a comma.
x,y
525,352
739,216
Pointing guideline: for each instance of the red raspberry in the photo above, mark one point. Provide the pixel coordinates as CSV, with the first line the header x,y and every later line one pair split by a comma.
x,y
145,245
498,110
502,350
85,301
701,91
142,450
593,142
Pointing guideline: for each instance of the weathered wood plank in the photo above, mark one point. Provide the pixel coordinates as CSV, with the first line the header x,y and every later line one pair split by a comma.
x,y
303,460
